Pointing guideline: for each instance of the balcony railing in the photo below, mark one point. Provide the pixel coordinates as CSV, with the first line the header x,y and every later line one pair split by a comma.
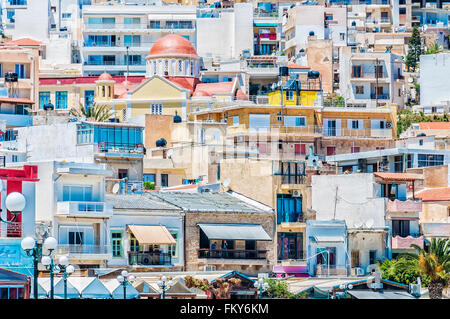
x,y
374,96
115,26
13,229
82,249
115,63
107,147
398,206
149,258
405,242
369,75
231,253
84,208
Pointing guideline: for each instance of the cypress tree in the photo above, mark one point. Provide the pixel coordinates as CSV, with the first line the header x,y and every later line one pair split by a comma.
x,y
414,49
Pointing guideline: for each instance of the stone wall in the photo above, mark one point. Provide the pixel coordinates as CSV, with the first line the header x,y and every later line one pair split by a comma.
x,y
192,244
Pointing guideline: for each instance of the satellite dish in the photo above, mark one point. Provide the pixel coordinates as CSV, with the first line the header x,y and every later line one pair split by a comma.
x,y
170,152
227,182
115,188
369,223
358,224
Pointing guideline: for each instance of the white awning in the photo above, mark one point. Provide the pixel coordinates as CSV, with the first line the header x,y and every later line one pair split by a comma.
x,y
235,231
329,239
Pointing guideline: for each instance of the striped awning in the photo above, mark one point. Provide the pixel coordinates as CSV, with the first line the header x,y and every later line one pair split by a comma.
x,y
235,231
152,235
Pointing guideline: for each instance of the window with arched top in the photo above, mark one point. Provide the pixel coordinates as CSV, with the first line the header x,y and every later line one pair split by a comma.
x,y
154,67
159,67
166,67
180,67
103,91
192,68
173,70
186,67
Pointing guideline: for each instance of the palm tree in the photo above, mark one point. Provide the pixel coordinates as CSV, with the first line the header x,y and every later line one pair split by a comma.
x,y
434,48
434,263
96,112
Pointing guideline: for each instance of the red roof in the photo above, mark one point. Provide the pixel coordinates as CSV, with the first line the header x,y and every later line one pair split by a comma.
x,y
434,125
397,176
172,44
105,77
215,88
185,82
86,80
241,96
15,100
434,194
23,42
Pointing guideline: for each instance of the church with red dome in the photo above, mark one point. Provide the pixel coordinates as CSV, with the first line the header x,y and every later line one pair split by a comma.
x,y
172,83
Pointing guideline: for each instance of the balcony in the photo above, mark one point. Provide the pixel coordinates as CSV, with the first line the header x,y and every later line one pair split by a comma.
x,y
272,36
231,254
398,206
85,252
114,26
149,259
369,76
119,150
405,242
84,209
374,96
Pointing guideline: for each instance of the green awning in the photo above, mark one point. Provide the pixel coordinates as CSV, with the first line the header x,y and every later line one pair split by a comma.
x,y
271,25
234,231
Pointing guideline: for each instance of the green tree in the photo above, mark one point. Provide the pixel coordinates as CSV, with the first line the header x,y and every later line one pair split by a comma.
x,y
96,113
414,49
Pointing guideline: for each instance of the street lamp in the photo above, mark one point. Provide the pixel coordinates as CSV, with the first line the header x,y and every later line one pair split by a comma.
x,y
345,287
162,284
15,203
67,271
37,250
262,286
125,278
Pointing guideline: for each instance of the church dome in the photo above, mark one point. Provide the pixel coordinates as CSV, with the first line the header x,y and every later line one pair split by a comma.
x,y
172,44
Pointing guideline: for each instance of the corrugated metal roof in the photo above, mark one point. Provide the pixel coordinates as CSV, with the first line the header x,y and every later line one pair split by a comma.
x,y
235,231
207,202
383,294
137,202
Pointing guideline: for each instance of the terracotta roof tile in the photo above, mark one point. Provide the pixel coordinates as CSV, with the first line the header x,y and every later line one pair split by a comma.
x,y
215,88
25,42
15,100
434,125
297,66
434,194
397,176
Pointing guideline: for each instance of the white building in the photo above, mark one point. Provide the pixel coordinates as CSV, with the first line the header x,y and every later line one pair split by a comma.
x,y
108,30
434,84
370,79
223,34
145,232
70,200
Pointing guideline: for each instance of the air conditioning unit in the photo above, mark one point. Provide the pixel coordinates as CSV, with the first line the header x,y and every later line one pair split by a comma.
x,y
388,124
296,193
209,268
358,271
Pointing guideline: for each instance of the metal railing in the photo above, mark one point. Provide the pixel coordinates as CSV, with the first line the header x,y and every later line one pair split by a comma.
x,y
373,96
107,147
149,258
369,75
82,249
114,63
231,253
258,13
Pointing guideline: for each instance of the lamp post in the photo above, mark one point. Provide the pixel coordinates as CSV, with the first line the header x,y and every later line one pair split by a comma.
x,y
125,278
37,250
262,286
47,248
345,287
15,203
162,284
67,271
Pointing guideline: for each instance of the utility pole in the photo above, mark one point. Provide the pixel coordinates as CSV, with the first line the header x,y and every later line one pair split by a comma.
x,y
128,66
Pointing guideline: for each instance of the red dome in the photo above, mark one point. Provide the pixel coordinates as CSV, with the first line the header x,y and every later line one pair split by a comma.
x,y
172,44
105,77
241,96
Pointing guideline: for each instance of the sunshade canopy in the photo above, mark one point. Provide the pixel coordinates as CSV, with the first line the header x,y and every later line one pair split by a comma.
x,y
235,231
329,239
152,235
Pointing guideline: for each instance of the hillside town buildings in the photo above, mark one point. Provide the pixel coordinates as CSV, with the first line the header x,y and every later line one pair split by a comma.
x,y
221,140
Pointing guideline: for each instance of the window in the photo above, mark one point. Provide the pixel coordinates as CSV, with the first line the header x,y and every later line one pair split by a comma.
x,y
300,149
262,148
355,125
359,89
61,100
294,120
430,160
150,178
289,209
421,142
355,149
355,258
372,257
180,66
89,96
356,71
14,159
122,173
66,15
236,120
77,193
155,24
164,180
134,60
290,95
76,238
20,70
12,292
134,244
331,150
378,71
44,98
156,108
131,21
342,36
116,243
154,67
192,68
400,228
172,250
